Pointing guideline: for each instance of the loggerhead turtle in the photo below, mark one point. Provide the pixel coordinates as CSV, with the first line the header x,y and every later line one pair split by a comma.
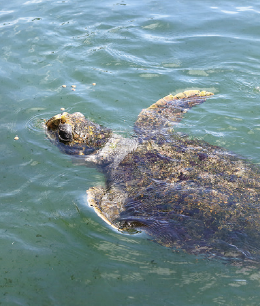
x,y
186,194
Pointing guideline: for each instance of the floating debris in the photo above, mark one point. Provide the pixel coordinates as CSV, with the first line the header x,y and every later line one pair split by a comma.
x,y
62,109
16,137
94,84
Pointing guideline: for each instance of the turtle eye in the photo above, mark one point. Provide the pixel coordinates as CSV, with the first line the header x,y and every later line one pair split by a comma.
x,y
65,132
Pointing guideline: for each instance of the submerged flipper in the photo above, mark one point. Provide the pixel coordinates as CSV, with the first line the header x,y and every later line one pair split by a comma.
x,y
168,111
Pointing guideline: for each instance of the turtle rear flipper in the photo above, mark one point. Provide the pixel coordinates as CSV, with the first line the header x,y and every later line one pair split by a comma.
x,y
160,116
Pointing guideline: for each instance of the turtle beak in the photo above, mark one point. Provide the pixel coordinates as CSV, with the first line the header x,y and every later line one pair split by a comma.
x,y
59,123
54,122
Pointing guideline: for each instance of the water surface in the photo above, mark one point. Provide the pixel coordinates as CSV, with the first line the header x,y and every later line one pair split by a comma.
x,y
54,249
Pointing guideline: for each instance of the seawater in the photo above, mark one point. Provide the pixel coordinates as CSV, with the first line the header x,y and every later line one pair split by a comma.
x,y
54,249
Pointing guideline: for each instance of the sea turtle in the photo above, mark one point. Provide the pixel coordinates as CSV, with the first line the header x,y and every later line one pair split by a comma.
x,y
185,193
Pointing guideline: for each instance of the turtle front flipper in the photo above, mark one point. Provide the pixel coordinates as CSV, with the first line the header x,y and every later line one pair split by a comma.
x,y
107,203
168,111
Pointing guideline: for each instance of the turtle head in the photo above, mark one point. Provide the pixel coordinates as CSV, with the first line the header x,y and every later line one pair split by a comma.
x,y
75,135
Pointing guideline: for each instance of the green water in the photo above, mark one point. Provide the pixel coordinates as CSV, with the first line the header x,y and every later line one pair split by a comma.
x,y
54,249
